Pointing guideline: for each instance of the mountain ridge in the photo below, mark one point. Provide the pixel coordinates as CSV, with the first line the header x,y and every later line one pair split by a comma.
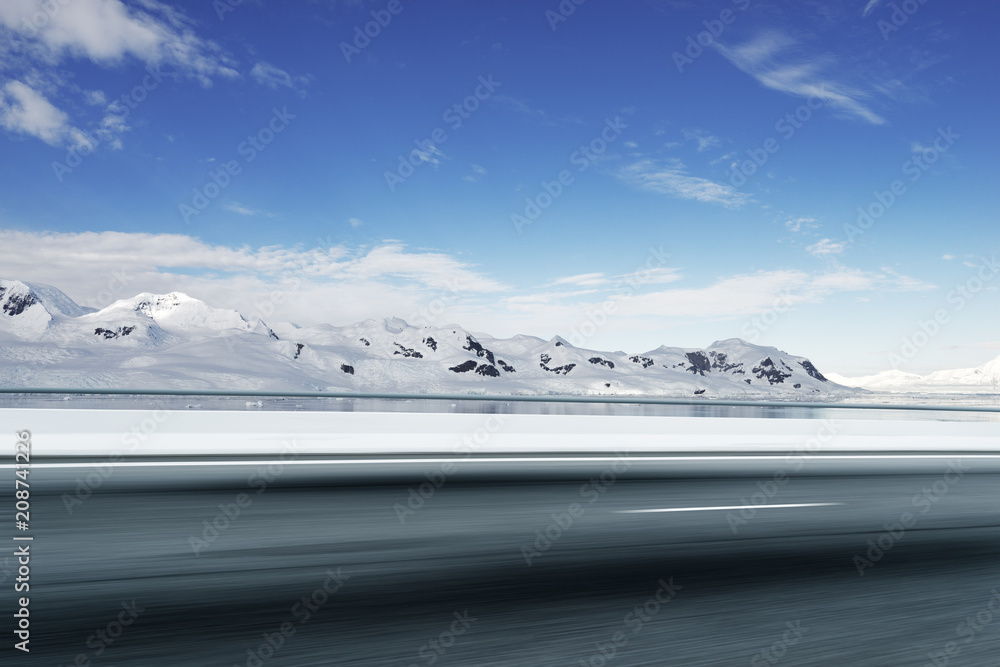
x,y
172,340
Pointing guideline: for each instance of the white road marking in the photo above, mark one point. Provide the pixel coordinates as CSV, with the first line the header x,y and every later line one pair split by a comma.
x,y
725,507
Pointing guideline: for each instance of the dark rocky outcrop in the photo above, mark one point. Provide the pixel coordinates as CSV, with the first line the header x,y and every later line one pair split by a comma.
x,y
17,304
812,370
645,361
407,351
699,363
768,369
113,333
473,345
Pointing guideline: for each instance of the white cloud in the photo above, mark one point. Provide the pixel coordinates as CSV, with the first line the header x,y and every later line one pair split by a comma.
x,y
825,247
24,110
271,76
478,171
95,98
327,283
235,207
870,7
947,258
750,294
108,31
39,35
670,177
336,284
705,140
797,224
582,279
355,222
761,59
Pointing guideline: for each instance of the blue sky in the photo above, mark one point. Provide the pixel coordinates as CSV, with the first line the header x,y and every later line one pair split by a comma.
x,y
713,158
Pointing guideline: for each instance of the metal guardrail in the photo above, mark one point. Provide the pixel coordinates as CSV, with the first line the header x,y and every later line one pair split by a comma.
x,y
631,400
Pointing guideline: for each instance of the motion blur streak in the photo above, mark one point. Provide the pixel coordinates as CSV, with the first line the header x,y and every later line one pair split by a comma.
x,y
306,566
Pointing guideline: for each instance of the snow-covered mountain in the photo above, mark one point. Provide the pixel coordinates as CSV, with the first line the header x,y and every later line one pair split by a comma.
x,y
173,341
982,379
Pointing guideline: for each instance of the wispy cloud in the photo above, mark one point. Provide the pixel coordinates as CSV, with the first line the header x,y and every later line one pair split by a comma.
x,y
271,76
754,293
798,224
523,108
478,171
585,279
670,177
825,247
355,222
704,140
235,207
769,59
870,7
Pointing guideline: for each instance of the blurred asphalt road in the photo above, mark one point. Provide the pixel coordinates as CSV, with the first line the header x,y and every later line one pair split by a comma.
x,y
856,561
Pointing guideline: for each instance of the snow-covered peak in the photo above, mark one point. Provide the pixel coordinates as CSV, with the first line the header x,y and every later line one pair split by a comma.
x,y
395,325
177,311
985,378
173,339
27,309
